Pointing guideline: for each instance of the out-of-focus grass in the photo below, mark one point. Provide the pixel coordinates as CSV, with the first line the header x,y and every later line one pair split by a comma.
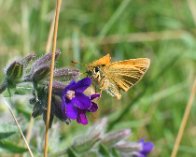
x,y
156,115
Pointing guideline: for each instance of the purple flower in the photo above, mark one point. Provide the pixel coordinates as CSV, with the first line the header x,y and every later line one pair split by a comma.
x,y
75,103
146,148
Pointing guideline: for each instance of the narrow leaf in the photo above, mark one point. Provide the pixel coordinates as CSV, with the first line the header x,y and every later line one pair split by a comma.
x,y
11,147
104,151
6,134
71,153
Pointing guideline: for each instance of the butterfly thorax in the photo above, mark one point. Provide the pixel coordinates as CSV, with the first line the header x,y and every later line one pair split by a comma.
x,y
102,80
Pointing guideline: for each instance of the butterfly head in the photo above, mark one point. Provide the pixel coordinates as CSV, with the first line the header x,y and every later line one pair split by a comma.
x,y
94,69
94,72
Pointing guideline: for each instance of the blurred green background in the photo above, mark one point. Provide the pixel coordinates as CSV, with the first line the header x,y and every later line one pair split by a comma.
x,y
162,30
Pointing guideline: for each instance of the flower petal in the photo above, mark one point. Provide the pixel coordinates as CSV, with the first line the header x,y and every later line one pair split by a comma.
x,y
71,111
146,147
81,85
82,118
93,96
81,101
68,87
93,107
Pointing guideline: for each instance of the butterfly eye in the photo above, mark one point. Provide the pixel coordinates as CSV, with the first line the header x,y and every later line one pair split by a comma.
x,y
96,69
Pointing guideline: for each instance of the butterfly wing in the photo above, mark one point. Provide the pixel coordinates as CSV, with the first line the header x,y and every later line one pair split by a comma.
x,y
127,73
105,60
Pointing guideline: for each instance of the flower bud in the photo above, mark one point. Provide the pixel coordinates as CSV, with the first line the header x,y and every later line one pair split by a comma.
x,y
128,147
98,127
66,74
140,148
84,143
27,59
14,72
114,137
57,87
44,60
40,73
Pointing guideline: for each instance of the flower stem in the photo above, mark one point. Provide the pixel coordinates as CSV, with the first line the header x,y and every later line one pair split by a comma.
x,y
184,120
58,4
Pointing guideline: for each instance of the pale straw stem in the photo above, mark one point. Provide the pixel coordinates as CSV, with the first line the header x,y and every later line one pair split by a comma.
x,y
58,4
184,120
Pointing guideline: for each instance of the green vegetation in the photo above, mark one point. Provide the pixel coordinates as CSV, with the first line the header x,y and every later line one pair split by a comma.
x,y
161,30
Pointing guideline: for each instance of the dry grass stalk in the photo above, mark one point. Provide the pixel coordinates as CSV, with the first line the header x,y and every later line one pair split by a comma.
x,y
192,6
20,130
58,4
184,120
50,35
134,37
29,130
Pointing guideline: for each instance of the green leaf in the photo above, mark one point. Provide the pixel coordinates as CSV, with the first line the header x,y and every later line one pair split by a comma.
x,y
6,134
24,110
115,153
104,151
8,127
3,87
11,147
71,153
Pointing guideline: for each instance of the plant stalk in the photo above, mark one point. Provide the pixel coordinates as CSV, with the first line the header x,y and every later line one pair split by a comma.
x,y
58,4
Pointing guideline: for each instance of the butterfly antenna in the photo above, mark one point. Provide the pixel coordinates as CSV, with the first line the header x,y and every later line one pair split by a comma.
x,y
73,62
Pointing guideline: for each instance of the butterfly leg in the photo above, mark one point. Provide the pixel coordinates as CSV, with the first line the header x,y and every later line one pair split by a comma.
x,y
100,94
111,88
104,84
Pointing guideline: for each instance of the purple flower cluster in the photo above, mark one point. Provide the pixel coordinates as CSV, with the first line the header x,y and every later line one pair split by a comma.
x,y
75,104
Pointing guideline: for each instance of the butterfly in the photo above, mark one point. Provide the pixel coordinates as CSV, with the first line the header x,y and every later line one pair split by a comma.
x,y
114,77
